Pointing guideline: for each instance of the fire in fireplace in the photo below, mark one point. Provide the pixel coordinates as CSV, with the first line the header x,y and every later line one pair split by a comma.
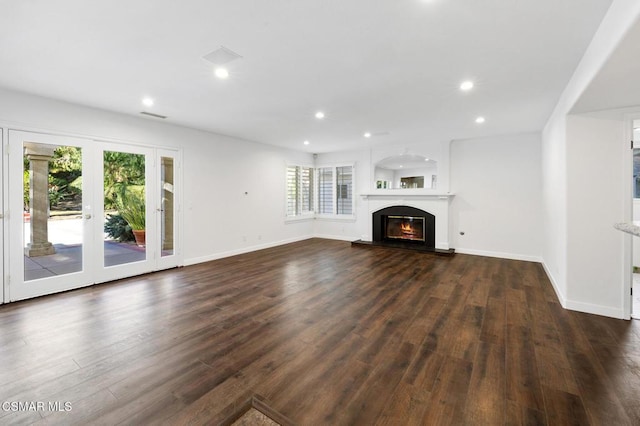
x,y
408,228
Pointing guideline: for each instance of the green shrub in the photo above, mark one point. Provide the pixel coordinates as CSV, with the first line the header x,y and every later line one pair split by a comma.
x,y
118,228
131,205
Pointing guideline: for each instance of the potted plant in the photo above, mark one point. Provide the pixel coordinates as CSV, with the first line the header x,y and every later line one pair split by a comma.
x,y
132,208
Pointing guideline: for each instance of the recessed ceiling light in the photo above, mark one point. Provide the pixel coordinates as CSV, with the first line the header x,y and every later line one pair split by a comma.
x,y
480,120
306,142
466,86
426,159
367,135
319,115
222,73
147,102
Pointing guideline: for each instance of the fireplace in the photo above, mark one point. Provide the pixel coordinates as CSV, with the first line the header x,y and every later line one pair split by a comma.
x,y
404,225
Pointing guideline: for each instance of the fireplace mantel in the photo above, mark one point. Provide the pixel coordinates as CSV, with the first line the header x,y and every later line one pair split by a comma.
x,y
393,194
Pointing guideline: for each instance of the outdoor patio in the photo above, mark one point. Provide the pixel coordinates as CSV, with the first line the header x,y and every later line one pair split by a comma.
x,y
66,236
68,259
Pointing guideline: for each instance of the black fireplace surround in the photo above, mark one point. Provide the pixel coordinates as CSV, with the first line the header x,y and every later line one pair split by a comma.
x,y
380,220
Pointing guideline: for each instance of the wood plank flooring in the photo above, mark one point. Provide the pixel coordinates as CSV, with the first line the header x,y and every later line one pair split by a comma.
x,y
326,334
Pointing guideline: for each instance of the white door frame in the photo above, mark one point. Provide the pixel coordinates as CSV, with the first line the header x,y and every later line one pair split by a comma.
x,y
627,169
629,144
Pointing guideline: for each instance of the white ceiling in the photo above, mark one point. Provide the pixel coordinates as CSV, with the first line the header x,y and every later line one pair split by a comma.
x,y
617,84
371,65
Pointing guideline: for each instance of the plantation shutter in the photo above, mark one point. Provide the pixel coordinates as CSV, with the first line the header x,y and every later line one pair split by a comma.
x,y
325,190
306,189
344,190
292,191
299,190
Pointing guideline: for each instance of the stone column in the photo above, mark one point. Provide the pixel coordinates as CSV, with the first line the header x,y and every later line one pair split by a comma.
x,y
39,156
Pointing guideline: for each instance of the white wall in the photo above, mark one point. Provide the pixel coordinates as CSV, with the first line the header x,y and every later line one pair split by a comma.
x,y
217,172
554,205
498,198
595,201
565,259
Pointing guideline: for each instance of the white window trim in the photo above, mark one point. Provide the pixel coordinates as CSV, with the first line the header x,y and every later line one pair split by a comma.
x,y
300,218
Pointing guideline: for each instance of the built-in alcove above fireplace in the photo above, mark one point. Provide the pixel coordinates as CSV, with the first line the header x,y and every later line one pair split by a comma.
x,y
404,225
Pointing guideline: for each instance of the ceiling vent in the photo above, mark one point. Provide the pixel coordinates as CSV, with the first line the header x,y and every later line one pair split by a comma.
x,y
150,114
221,56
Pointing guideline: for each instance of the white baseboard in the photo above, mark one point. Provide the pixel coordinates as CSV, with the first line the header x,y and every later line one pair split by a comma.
x,y
587,308
221,255
501,255
336,237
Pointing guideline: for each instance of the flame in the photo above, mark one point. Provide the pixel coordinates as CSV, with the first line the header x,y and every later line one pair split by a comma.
x,y
406,228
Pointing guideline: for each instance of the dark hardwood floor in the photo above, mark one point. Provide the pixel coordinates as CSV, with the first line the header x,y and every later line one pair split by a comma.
x,y
325,333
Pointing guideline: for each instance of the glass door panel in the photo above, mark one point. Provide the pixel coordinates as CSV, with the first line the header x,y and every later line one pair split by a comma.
x,y
167,205
53,222
124,189
50,204
167,211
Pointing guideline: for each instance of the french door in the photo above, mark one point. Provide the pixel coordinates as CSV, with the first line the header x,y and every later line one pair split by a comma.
x,y
83,212
126,181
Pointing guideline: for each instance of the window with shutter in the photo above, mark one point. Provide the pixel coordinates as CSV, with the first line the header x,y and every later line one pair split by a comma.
x,y
299,190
